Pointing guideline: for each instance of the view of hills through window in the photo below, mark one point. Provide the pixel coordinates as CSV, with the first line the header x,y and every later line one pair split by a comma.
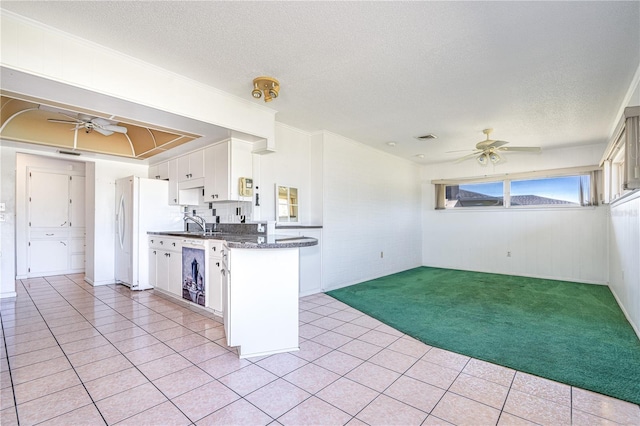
x,y
565,190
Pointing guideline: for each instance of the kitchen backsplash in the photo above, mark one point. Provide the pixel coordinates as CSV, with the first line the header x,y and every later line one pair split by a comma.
x,y
225,212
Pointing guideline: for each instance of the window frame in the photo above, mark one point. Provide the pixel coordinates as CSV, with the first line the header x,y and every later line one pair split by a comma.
x,y
592,171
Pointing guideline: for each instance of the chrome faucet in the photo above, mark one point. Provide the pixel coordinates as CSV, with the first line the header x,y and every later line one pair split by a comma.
x,y
197,220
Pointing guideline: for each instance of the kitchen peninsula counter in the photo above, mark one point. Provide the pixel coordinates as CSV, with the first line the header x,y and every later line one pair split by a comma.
x,y
259,289
246,241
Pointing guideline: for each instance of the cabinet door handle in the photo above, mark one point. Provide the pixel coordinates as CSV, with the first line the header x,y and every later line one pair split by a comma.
x,y
213,248
158,177
161,242
48,235
62,242
174,244
154,252
218,264
65,222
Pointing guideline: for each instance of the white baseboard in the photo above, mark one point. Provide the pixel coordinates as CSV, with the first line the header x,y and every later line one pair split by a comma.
x,y
626,314
98,283
8,295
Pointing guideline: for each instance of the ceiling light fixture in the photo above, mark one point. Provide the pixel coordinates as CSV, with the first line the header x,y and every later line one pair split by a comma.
x,y
267,85
391,143
494,157
483,159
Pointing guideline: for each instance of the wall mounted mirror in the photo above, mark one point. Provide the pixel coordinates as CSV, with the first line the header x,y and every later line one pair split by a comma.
x,y
287,204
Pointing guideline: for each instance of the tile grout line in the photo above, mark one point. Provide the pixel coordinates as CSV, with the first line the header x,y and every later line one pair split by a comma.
x,y
13,392
102,335
62,350
195,365
142,373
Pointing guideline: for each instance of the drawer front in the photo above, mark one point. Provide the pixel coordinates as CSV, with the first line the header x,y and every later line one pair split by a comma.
x,y
49,234
165,243
215,248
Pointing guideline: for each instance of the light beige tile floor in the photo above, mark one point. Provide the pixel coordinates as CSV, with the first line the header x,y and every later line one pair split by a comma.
x,y
76,354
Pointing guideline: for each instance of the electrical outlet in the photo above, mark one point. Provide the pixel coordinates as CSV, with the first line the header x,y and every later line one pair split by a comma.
x,y
508,254
2,207
381,254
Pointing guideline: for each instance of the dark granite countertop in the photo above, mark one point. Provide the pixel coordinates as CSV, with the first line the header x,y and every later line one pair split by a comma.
x,y
246,241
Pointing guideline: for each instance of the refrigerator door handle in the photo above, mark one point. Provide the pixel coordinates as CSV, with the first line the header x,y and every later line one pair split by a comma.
x,y
121,219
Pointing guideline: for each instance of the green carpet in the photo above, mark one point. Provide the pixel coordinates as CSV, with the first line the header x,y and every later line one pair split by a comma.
x,y
568,332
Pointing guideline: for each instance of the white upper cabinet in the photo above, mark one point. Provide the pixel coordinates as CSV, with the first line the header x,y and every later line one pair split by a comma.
x,y
191,166
172,170
225,163
159,171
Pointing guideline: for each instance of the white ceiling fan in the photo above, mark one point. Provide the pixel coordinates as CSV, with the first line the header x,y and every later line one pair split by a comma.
x,y
88,123
488,150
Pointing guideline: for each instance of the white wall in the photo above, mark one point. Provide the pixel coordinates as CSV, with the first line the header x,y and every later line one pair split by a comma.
x,y
7,228
564,244
371,204
624,248
624,256
291,165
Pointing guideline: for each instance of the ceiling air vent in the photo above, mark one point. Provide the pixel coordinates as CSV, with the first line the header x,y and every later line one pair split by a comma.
x,y
68,153
426,137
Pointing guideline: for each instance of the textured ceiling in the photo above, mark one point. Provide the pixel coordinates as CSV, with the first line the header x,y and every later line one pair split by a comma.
x,y
543,74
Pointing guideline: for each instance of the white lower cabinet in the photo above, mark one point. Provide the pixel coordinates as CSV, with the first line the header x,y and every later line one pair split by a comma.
x,y
174,272
153,267
215,277
165,264
48,256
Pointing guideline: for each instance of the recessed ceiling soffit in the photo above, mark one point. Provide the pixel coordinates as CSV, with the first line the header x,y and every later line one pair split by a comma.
x,y
28,121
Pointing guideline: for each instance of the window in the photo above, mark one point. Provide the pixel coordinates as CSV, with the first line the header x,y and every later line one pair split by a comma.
x,y
537,189
475,195
621,160
565,190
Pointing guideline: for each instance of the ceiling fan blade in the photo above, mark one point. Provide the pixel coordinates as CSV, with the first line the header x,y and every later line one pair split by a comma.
x,y
461,150
497,144
102,131
466,157
113,128
55,120
522,148
107,125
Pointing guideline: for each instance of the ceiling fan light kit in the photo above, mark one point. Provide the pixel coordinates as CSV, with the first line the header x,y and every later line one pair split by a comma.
x,y
487,150
268,86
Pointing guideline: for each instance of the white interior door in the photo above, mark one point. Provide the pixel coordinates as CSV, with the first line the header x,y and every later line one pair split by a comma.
x,y
48,199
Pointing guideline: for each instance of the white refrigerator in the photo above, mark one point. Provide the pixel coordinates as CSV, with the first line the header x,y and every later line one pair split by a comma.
x,y
142,205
